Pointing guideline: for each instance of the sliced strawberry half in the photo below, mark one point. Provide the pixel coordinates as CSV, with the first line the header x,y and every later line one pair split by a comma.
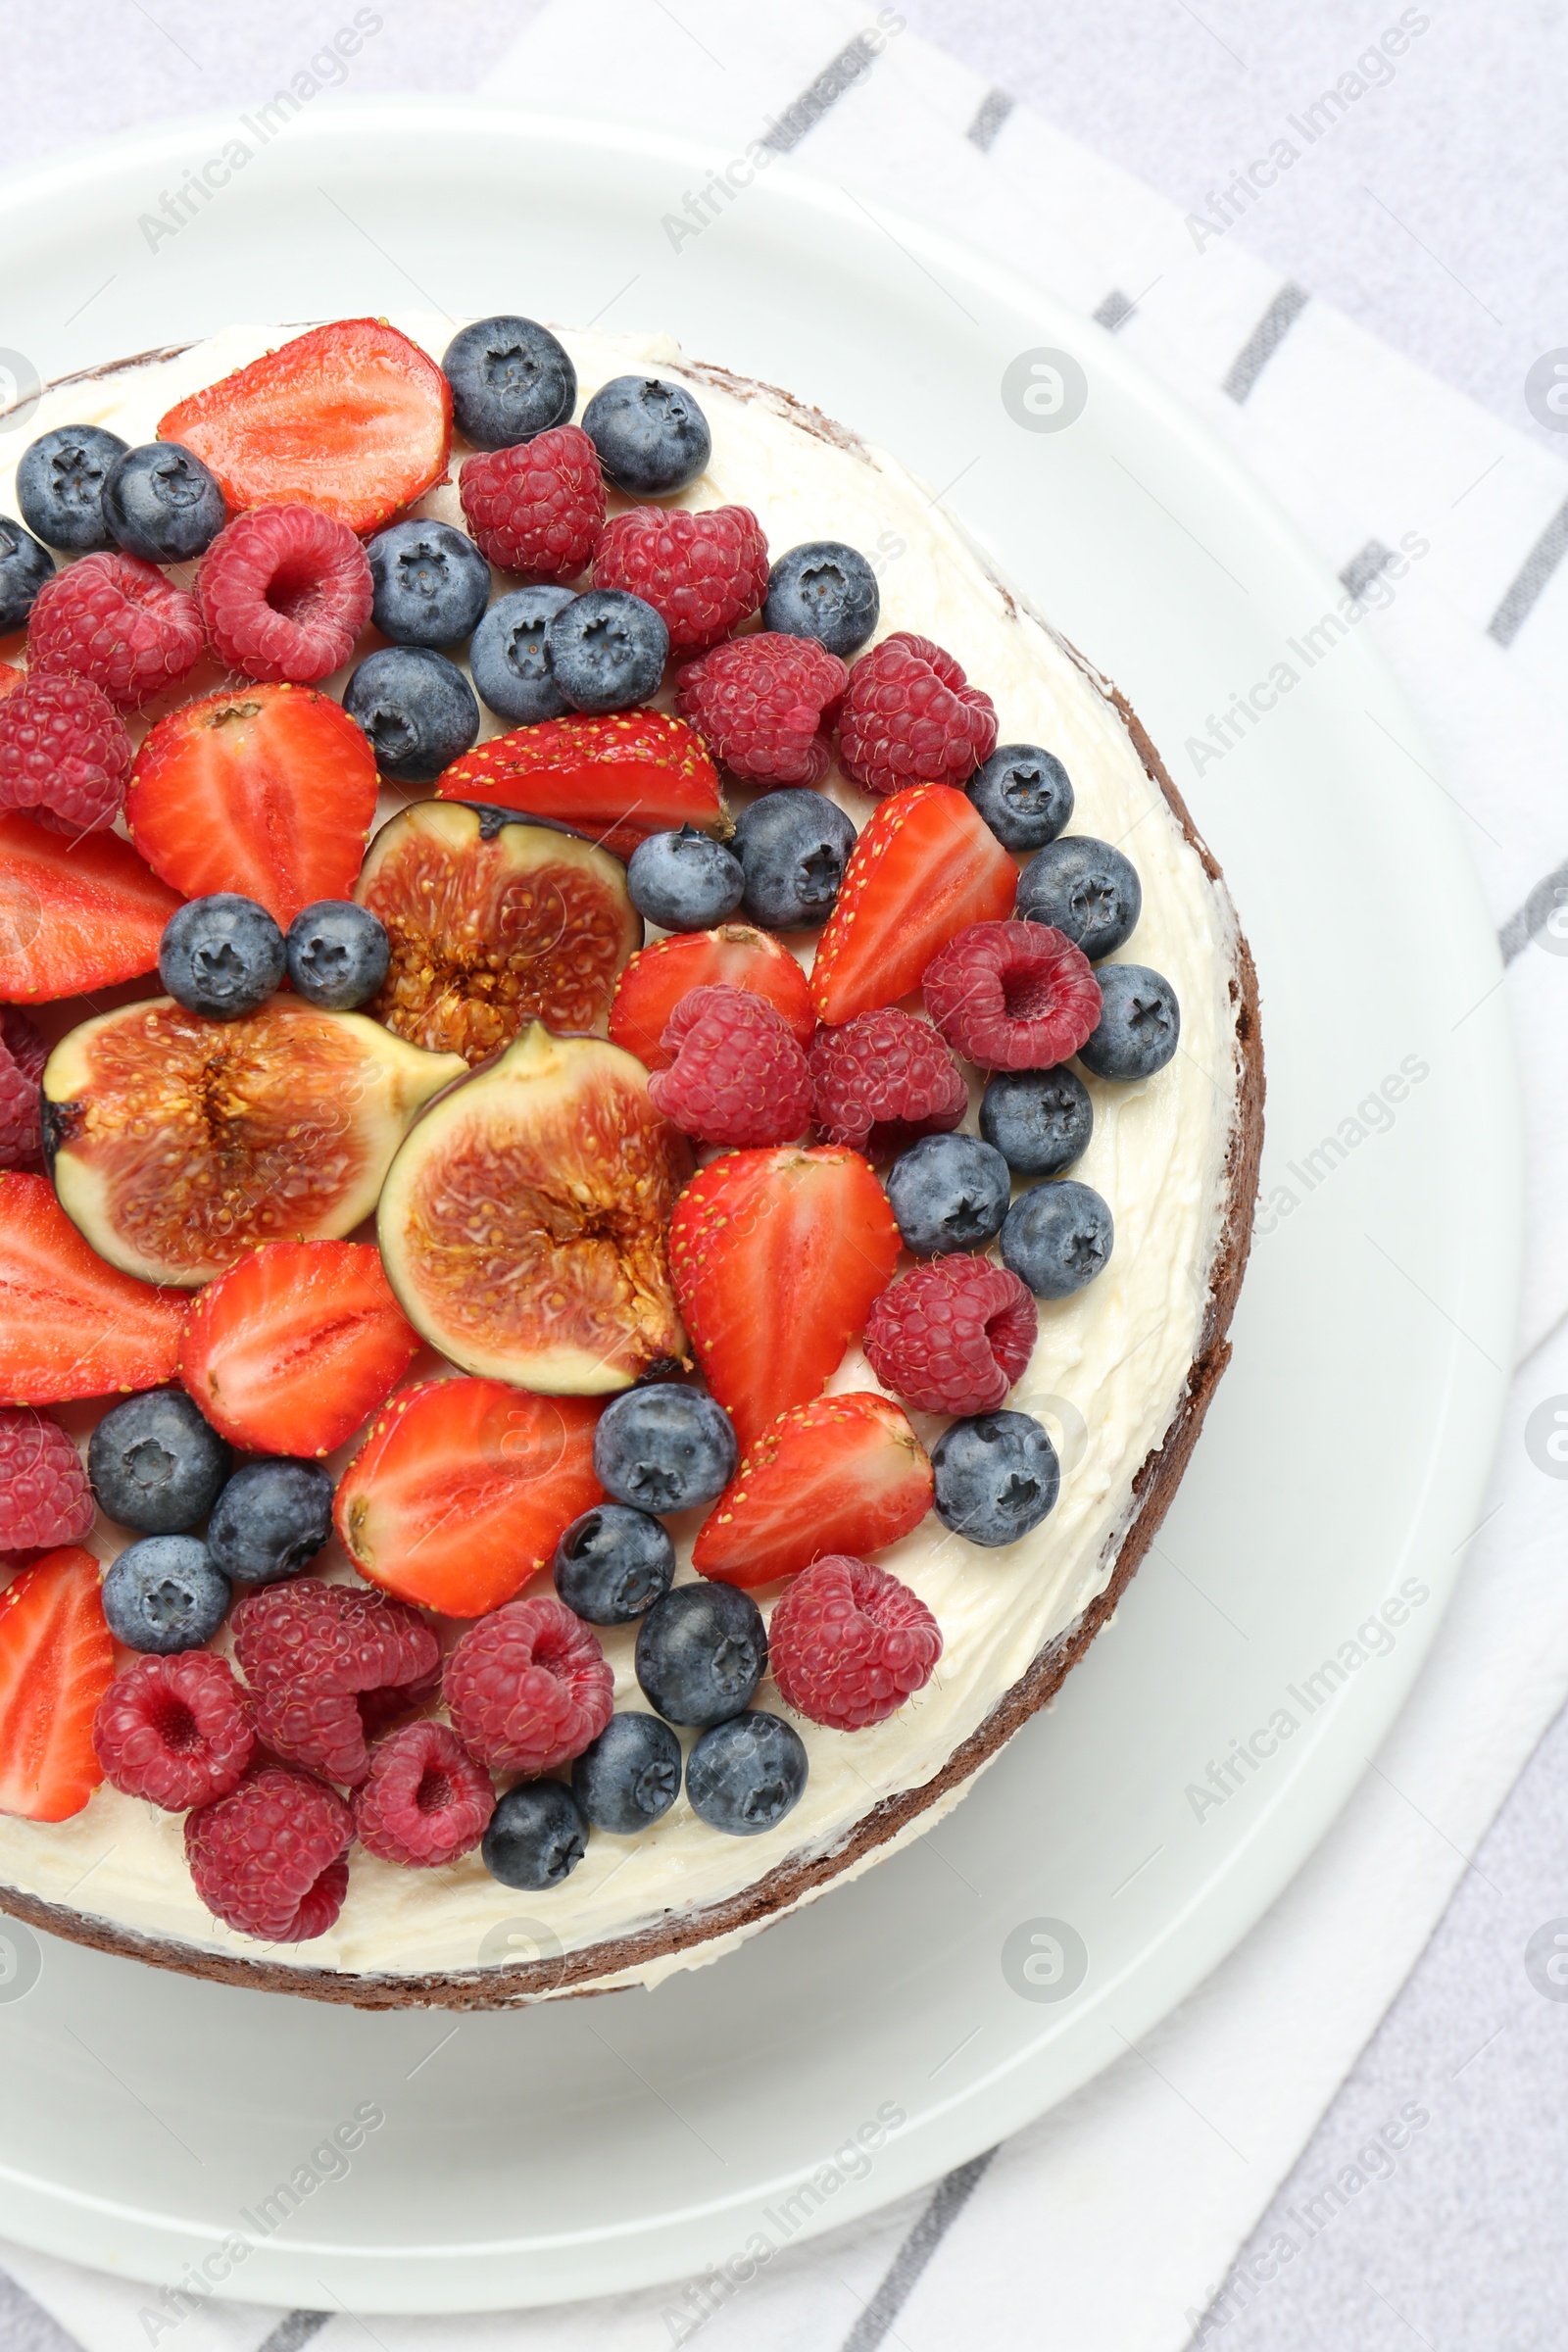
x,y
841,1474
776,1257
617,778
734,955
292,1348
75,914
70,1326
353,418
463,1488
925,866
268,790
56,1662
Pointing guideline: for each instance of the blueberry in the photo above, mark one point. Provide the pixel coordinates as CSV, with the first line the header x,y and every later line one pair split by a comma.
x,y
430,583
220,955
665,1448
606,650
650,436
1039,1120
630,1776
510,379
700,1652
337,953
59,486
1084,888
1056,1237
793,847
160,503
949,1192
165,1593
996,1476
24,567
684,881
509,659
1024,794
537,1836
417,709
612,1564
823,590
269,1520
745,1775
1140,1023
155,1464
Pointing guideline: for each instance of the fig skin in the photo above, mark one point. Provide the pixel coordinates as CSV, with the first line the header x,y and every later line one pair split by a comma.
x,y
177,1142
494,920
523,1224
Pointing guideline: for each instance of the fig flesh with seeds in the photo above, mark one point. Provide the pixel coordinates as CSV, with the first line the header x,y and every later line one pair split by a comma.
x,y
494,920
177,1144
523,1224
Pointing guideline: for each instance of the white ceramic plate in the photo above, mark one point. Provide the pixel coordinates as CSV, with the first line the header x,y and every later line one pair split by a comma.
x,y
595,2145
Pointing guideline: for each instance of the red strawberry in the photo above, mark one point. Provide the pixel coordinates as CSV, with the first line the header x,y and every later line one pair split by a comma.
x,y
841,1474
292,1348
9,678
925,866
734,955
617,778
267,790
70,1326
56,1662
74,915
352,419
463,1488
776,1257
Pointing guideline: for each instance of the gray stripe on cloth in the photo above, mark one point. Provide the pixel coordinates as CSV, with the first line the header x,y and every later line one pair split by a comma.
x,y
1115,310
954,2192
1264,341
294,2329
1364,566
1531,919
25,2327
1544,558
991,113
786,130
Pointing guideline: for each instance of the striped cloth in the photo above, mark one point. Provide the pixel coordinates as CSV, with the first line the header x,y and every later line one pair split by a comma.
x,y
1113,2221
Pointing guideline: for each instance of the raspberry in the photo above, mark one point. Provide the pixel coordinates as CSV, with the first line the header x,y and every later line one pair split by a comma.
x,y
538,507
763,705
1012,996
701,572
848,1644
426,1800
65,757
119,622
284,591
22,1055
528,1686
268,1857
44,1495
909,717
174,1729
883,1080
953,1336
740,1075
317,1655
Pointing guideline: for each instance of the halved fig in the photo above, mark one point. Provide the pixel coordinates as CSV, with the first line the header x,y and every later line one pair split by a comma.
x,y
494,922
523,1223
619,776
177,1144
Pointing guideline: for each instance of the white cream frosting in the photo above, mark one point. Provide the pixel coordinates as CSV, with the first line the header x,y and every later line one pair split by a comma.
x,y
1111,1364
